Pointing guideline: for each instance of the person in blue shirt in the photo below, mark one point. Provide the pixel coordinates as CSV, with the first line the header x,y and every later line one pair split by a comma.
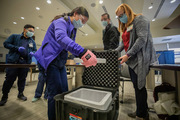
x,y
21,48
53,54
40,85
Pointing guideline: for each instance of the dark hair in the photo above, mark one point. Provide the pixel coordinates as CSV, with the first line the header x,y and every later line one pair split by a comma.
x,y
78,10
28,26
106,14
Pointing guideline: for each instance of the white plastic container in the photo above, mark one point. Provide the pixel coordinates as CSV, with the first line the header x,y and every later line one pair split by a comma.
x,y
99,60
89,97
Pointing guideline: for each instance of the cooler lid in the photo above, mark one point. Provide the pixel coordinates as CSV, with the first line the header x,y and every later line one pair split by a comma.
x,y
103,74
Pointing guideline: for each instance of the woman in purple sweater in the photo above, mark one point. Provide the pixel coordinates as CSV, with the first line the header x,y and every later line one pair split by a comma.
x,y
52,55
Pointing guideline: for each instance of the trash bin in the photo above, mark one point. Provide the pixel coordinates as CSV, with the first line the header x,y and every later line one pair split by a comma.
x,y
166,57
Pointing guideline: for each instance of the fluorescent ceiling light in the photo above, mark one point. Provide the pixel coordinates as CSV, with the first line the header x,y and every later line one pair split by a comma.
x,y
172,1
150,7
22,18
15,23
37,27
153,19
100,1
49,1
37,8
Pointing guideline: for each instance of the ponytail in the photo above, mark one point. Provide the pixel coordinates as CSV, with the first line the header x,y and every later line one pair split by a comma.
x,y
79,10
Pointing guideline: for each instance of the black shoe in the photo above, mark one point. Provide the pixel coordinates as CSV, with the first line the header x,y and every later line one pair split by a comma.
x,y
22,97
147,116
3,100
133,114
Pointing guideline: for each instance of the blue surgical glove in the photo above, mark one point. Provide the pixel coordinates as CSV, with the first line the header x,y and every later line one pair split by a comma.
x,y
31,54
21,49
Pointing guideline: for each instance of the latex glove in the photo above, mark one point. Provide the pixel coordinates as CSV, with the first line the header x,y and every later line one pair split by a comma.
x,y
21,49
123,59
31,54
89,59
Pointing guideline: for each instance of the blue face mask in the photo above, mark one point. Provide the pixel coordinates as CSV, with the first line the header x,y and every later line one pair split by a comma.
x,y
123,19
104,23
77,24
29,34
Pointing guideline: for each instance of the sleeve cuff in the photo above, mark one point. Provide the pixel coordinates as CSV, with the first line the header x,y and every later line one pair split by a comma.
x,y
128,55
81,54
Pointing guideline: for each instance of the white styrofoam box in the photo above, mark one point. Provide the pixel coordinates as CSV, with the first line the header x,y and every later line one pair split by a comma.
x,y
89,97
99,60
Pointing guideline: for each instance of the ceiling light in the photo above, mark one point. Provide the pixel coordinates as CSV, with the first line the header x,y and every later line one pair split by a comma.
x,y
150,7
37,8
86,34
100,1
37,27
172,1
22,18
49,1
153,19
15,23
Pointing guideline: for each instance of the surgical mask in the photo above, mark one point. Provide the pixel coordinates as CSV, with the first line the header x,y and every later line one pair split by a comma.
x,y
29,34
77,24
104,23
123,19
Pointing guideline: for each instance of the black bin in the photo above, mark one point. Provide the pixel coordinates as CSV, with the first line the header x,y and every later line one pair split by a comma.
x,y
104,77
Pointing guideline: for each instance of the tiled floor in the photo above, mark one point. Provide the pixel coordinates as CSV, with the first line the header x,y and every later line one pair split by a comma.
x,y
20,110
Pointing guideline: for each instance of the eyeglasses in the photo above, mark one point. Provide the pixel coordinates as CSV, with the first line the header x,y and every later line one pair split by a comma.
x,y
104,19
30,30
120,16
83,21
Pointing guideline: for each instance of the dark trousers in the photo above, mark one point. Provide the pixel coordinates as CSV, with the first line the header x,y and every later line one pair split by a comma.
x,y
40,86
141,96
11,75
56,83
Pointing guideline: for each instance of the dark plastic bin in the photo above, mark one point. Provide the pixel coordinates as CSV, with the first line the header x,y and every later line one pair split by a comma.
x,y
102,77
67,109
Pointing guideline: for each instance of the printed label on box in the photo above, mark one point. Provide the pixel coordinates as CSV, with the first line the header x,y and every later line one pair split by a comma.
x,y
74,117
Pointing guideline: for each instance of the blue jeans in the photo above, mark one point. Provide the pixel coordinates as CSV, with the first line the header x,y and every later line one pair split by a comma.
x,y
141,96
40,85
56,83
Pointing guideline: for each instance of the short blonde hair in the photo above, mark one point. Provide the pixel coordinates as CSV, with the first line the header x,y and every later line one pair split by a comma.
x,y
130,15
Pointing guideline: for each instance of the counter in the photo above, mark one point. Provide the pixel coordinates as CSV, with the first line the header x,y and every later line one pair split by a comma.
x,y
170,73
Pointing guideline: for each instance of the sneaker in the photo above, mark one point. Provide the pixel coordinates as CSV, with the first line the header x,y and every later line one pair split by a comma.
x,y
35,99
22,97
3,100
133,114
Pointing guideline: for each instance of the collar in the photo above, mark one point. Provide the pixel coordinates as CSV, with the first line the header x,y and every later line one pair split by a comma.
x,y
108,26
71,26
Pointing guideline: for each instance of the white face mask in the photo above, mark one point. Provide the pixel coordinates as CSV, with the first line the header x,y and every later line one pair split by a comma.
x,y
77,24
29,34
104,23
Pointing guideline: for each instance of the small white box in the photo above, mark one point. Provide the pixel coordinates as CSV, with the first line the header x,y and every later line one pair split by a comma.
x,y
89,97
99,60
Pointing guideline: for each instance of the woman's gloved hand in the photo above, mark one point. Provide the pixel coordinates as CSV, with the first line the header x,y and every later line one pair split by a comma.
x,y
31,54
21,49
89,59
